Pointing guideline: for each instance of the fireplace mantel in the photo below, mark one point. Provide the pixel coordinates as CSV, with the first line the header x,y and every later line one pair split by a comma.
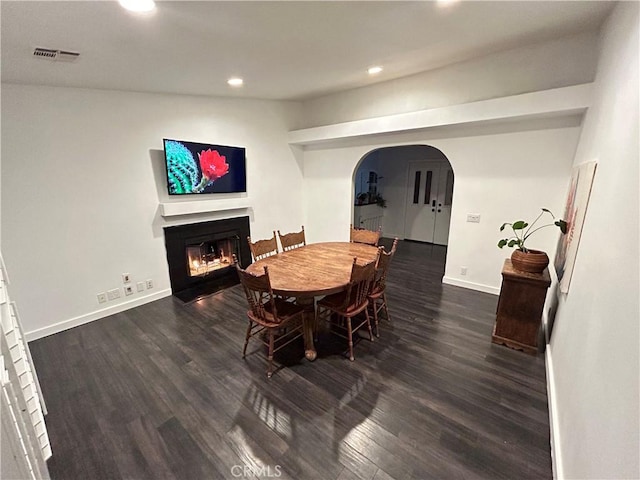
x,y
172,209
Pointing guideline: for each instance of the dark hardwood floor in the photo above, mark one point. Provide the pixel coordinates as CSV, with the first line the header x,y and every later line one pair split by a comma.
x,y
161,391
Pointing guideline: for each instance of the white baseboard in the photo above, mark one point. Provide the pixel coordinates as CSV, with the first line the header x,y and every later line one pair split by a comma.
x,y
470,285
392,235
556,456
90,317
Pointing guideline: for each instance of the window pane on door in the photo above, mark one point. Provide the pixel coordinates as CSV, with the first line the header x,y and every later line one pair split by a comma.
x,y
427,187
416,187
448,192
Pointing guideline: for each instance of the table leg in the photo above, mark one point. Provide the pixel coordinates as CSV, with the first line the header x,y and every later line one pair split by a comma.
x,y
308,321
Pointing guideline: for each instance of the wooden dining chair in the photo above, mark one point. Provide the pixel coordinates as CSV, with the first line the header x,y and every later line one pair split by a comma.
x,y
289,241
377,296
349,303
263,248
269,314
369,237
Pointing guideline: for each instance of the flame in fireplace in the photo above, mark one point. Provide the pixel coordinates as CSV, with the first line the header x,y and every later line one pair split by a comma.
x,y
203,260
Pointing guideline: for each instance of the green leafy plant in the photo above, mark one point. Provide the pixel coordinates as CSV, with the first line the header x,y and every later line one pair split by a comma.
x,y
380,201
367,198
522,231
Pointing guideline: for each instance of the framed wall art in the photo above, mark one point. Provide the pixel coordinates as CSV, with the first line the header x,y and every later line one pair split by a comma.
x,y
574,214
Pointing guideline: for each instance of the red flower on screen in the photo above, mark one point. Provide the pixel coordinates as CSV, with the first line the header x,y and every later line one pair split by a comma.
x,y
213,164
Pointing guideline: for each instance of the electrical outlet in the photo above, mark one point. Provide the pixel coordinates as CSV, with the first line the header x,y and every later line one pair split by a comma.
x,y
128,290
149,284
113,294
463,270
126,278
473,217
140,286
102,297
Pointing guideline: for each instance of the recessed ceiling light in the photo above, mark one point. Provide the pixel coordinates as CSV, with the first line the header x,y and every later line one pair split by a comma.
x,y
138,5
374,70
235,82
446,3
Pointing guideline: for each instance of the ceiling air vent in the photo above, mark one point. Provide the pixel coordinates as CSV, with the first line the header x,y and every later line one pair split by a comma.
x,y
55,54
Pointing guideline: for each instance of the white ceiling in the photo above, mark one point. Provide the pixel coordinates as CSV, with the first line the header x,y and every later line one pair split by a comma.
x,y
283,50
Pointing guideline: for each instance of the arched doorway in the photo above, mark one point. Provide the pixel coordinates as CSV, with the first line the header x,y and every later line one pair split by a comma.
x,y
410,188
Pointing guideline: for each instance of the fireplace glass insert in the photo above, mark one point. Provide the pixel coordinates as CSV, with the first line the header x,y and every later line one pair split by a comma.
x,y
210,255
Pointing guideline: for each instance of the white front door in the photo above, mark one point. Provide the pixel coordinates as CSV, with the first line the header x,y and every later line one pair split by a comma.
x,y
429,193
420,215
443,205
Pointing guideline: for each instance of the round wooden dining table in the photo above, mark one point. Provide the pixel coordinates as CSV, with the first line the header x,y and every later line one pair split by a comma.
x,y
311,271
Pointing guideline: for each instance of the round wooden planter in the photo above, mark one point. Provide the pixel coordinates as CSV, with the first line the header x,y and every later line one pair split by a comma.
x,y
534,261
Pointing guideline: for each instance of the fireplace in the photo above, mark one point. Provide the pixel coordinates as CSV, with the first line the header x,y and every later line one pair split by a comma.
x,y
209,255
200,256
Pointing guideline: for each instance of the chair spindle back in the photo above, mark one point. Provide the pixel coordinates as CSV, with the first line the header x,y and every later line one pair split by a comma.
x,y
257,289
359,283
289,241
263,248
369,237
382,267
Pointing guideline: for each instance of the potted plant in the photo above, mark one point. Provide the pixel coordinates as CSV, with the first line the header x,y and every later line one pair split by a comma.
x,y
380,201
524,258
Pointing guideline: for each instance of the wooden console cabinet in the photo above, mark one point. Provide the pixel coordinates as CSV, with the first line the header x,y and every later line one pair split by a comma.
x,y
520,308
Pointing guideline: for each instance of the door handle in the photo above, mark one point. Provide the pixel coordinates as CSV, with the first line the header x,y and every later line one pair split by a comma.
x,y
433,205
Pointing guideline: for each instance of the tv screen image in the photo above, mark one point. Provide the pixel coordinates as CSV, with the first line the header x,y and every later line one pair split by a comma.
x,y
200,168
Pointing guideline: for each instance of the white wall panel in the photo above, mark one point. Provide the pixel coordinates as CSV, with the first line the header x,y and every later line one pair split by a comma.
x,y
595,341
83,178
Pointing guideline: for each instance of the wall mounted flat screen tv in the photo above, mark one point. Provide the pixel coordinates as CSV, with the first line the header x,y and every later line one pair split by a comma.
x,y
200,168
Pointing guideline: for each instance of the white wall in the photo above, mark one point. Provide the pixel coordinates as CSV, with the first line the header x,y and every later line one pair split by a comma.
x,y
501,176
82,176
558,63
593,353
